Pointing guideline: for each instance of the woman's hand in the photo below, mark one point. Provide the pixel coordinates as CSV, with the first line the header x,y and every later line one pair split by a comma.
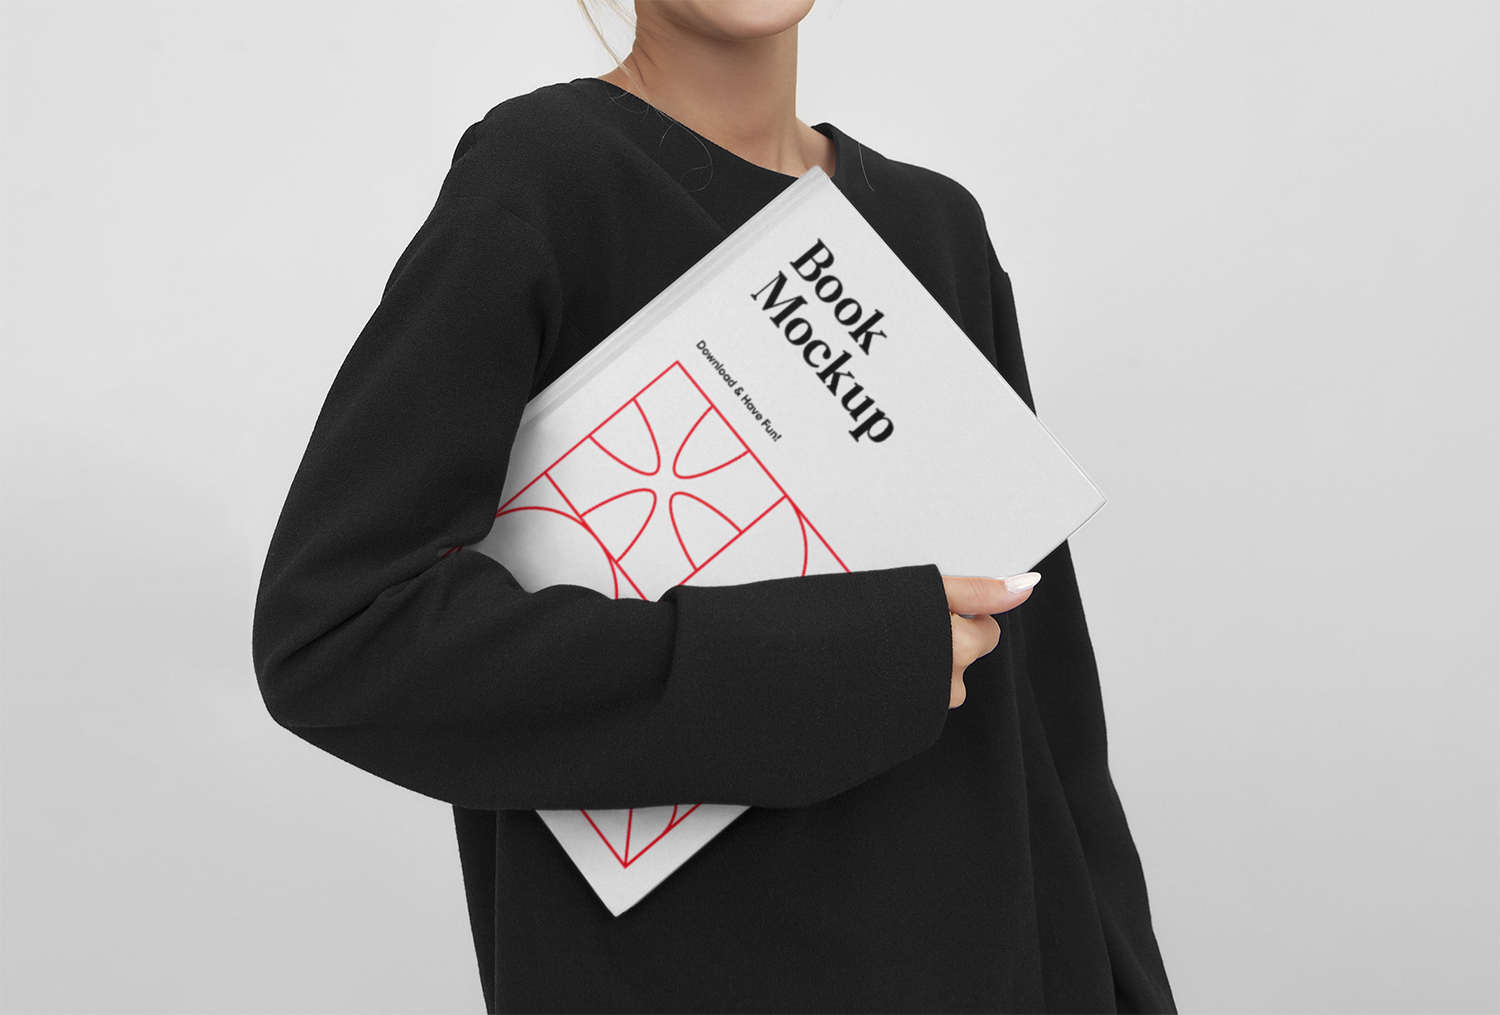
x,y
971,601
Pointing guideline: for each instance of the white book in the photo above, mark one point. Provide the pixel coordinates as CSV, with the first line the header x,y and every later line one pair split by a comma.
x,y
796,403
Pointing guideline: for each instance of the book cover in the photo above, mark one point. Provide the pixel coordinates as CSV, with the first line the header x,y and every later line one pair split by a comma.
x,y
796,403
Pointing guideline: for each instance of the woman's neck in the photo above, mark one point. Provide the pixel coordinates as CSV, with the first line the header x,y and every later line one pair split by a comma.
x,y
741,94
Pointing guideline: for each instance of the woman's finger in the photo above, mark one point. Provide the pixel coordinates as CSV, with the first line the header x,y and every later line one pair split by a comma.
x,y
973,638
972,596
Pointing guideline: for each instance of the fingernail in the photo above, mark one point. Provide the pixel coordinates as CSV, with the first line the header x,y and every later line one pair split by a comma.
x,y
1022,582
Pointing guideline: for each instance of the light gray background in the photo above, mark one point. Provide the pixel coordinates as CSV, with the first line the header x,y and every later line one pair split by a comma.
x,y
1255,251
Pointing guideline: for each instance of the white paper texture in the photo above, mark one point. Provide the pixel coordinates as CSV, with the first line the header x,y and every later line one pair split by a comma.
x,y
725,435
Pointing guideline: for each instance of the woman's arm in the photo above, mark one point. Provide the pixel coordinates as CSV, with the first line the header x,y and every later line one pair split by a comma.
x,y
1063,682
437,671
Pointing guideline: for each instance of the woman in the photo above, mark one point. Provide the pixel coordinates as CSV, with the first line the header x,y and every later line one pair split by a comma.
x,y
896,856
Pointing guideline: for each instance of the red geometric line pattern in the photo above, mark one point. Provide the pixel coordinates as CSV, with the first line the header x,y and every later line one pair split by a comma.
x,y
715,514
715,490
624,855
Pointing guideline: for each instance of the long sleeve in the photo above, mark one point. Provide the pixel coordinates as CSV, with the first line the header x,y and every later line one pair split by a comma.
x,y
1063,681
435,670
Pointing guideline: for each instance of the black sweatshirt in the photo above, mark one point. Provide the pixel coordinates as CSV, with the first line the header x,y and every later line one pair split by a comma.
x,y
897,856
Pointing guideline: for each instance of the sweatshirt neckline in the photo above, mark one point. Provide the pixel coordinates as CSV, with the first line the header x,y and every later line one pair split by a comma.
x,y
613,93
